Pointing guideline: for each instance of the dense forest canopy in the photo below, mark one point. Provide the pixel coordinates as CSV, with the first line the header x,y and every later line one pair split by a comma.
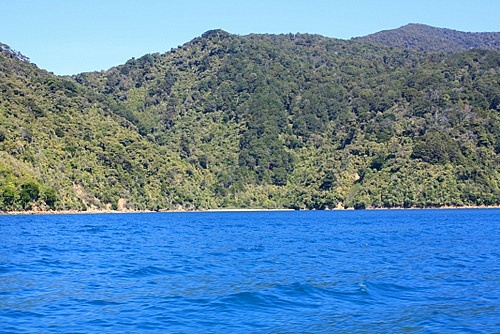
x,y
261,121
424,37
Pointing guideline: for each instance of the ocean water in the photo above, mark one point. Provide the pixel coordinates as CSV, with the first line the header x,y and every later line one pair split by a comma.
x,y
411,271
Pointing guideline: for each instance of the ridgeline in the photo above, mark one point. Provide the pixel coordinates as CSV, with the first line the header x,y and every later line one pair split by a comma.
x,y
259,121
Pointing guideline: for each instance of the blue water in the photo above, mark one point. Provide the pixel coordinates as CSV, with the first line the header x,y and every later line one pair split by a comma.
x,y
413,271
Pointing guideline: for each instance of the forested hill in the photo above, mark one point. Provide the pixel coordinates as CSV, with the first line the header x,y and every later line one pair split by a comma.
x,y
424,37
257,121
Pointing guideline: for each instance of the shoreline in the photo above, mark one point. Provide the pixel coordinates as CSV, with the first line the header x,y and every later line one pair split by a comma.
x,y
104,211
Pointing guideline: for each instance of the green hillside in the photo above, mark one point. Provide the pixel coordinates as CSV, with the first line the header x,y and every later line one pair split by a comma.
x,y
68,146
257,121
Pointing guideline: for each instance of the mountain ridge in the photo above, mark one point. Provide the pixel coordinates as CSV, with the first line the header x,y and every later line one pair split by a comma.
x,y
428,38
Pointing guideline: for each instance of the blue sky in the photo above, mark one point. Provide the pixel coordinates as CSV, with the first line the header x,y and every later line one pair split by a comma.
x,y
73,36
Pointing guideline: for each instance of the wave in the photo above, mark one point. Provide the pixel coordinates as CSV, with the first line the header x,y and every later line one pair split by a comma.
x,y
148,271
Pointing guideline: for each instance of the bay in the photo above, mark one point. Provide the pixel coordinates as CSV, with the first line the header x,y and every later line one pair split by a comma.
x,y
414,271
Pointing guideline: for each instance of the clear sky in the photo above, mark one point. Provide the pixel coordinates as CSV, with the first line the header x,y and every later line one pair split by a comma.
x,y
73,36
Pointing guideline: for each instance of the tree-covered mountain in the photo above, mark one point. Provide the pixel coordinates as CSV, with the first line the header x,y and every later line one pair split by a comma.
x,y
423,37
269,121
64,147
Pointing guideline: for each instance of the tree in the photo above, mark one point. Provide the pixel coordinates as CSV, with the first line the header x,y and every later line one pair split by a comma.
x,y
8,197
50,198
28,194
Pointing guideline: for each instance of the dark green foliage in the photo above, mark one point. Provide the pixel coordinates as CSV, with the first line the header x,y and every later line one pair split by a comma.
x,y
50,198
328,182
272,121
436,147
8,198
378,162
28,194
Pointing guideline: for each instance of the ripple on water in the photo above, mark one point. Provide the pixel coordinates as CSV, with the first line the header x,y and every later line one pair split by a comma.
x,y
380,271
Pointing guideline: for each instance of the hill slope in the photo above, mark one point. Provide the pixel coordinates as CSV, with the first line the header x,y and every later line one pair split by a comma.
x,y
423,37
296,121
63,147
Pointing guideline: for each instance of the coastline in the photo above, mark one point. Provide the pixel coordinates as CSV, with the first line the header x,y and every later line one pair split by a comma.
x,y
105,211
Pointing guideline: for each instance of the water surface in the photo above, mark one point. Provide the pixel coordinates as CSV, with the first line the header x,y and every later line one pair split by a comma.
x,y
415,271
